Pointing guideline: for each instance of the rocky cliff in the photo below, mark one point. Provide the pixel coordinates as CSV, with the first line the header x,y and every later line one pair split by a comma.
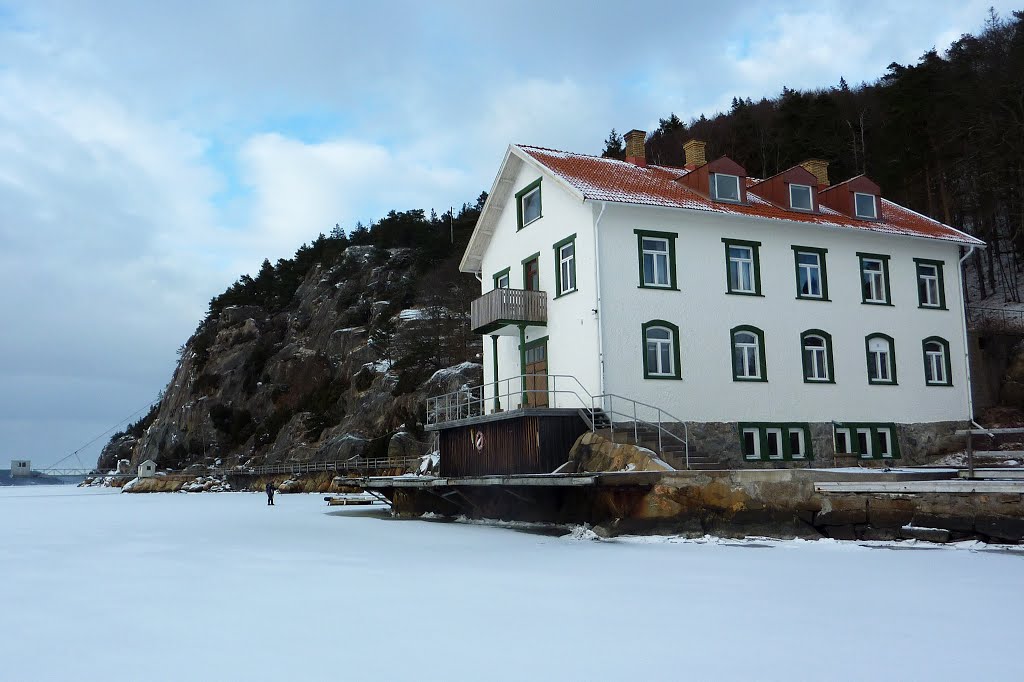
x,y
335,365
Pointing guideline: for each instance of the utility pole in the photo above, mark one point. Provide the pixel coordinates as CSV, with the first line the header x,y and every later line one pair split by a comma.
x,y
451,223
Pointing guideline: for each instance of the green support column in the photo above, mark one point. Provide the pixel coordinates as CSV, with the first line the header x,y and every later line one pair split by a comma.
x,y
494,352
522,362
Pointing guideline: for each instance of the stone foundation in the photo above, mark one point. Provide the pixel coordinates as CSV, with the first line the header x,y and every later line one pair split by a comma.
x,y
782,504
919,443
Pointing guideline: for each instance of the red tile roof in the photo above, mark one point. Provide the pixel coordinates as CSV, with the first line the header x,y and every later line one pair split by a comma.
x,y
601,179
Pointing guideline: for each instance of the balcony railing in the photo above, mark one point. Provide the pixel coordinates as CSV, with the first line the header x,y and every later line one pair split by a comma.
x,y
502,307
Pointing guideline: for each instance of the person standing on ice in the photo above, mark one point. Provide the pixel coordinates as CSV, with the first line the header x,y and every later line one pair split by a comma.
x,y
270,493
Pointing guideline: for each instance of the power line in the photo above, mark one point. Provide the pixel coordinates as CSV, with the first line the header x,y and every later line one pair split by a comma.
x,y
82,447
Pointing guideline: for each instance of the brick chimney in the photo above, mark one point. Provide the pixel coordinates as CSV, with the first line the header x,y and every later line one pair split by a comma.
x,y
635,152
819,169
694,150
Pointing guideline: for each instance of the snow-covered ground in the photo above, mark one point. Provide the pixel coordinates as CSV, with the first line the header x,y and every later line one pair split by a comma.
x,y
103,586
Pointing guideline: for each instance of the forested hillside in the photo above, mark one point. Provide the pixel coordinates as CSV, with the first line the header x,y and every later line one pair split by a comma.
x,y
944,137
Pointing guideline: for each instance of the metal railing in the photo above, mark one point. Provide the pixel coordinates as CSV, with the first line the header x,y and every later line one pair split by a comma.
x,y
368,464
471,402
520,305
658,423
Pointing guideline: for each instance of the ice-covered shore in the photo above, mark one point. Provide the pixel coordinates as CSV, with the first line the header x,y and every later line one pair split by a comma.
x,y
105,586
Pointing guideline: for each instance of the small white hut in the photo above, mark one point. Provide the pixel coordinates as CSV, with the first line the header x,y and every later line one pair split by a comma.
x,y
21,467
147,469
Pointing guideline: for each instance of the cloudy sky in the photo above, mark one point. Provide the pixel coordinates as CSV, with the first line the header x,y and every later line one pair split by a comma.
x,y
151,152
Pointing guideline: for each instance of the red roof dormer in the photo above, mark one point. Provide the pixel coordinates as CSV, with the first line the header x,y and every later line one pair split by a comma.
x,y
720,180
858,198
795,189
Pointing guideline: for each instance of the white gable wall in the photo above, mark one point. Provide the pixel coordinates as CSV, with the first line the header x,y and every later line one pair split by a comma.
x,y
572,324
705,314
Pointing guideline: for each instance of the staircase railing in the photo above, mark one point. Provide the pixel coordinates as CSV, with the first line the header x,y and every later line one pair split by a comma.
x,y
469,402
657,424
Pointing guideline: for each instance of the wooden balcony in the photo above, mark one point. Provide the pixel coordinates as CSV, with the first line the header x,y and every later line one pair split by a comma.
x,y
504,307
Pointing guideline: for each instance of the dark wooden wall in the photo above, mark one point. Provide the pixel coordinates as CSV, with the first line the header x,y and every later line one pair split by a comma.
x,y
527,444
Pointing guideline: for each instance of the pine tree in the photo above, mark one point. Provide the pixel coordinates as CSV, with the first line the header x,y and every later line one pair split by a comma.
x,y
614,147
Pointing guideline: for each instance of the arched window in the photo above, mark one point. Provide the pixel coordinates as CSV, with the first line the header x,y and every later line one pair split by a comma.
x,y
748,354
816,352
881,358
661,350
936,362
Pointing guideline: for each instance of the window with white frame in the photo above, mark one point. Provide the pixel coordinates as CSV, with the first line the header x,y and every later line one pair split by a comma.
x,y
726,187
656,263
864,205
881,360
797,443
565,256
501,279
748,354
742,267
775,441
869,441
936,362
529,204
751,441
874,276
800,197
930,293
810,273
661,350
817,356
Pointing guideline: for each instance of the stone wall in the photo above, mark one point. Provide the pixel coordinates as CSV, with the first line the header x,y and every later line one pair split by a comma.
x,y
918,443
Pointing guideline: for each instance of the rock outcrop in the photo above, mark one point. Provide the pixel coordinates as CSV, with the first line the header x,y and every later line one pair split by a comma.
x,y
339,369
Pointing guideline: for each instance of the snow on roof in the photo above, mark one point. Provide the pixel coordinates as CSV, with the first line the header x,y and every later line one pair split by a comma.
x,y
601,179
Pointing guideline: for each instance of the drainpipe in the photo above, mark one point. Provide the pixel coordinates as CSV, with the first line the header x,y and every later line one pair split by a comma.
x,y
597,309
967,356
494,352
522,363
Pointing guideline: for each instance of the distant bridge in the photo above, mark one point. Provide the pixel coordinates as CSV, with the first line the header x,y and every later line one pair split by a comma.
x,y
361,465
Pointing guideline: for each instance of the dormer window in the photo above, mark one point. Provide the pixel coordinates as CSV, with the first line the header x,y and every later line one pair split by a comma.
x,y
726,187
800,197
864,206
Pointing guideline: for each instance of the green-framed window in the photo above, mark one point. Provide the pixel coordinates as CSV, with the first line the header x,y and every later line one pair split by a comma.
x,y
816,355
528,204
742,267
811,273
501,279
661,350
748,356
656,259
565,266
881,357
931,287
869,440
531,272
874,279
937,370
776,441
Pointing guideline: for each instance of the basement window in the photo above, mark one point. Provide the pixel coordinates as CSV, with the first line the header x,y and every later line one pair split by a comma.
x,y
726,187
775,441
868,441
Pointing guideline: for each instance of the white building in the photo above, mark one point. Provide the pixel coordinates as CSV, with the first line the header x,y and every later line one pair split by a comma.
x,y
21,467
783,318
147,469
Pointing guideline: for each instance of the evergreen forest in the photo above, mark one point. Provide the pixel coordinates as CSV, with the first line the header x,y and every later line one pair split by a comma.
x,y
944,137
